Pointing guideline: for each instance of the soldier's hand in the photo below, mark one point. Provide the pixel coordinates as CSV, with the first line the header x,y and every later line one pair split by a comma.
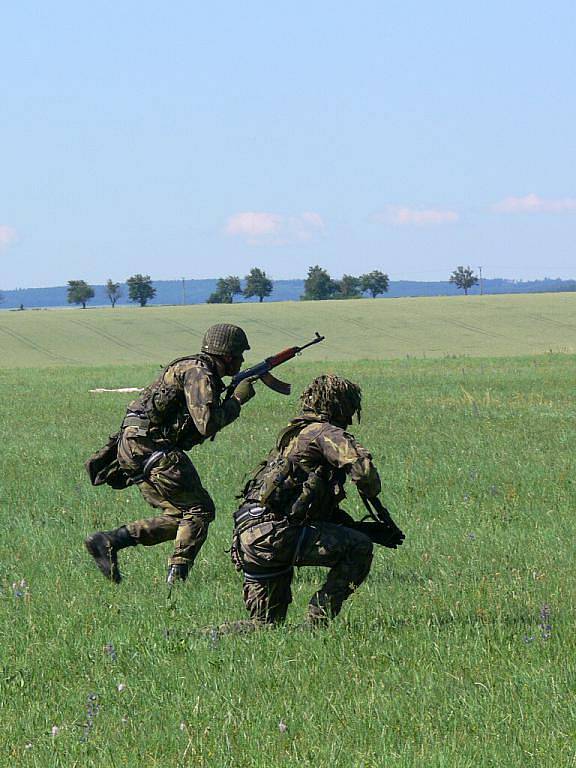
x,y
244,391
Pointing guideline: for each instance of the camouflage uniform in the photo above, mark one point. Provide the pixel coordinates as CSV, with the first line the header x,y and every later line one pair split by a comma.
x,y
269,541
180,409
171,482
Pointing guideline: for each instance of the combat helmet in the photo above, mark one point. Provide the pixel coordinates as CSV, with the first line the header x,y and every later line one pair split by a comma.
x,y
334,398
225,339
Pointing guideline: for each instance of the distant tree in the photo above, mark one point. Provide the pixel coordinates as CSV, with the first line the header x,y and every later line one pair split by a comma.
x,y
318,284
463,278
257,284
140,289
374,282
113,291
349,287
226,289
79,292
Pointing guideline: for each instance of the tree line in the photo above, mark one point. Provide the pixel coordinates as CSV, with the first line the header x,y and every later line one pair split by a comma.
x,y
140,291
317,286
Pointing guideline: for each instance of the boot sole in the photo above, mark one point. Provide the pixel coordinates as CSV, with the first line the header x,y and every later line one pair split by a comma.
x,y
103,560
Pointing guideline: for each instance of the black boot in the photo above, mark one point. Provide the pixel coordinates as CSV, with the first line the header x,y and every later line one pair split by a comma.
x,y
103,546
176,573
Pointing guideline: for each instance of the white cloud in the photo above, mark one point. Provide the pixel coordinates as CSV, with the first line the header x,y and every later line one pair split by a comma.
x,y
253,224
402,216
272,228
7,235
533,204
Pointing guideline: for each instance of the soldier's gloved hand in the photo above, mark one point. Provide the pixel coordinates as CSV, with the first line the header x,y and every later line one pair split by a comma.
x,y
244,391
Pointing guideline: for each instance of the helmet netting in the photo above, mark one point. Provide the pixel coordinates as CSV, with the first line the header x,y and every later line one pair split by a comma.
x,y
336,398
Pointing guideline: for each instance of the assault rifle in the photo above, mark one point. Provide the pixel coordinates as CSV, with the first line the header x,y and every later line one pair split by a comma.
x,y
381,528
262,370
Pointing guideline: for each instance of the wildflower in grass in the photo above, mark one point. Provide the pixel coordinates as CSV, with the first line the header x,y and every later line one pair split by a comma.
x,y
55,731
528,639
545,625
92,710
20,588
182,726
121,687
282,727
110,650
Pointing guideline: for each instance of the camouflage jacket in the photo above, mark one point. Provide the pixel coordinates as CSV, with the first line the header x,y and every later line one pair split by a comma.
x,y
316,448
183,405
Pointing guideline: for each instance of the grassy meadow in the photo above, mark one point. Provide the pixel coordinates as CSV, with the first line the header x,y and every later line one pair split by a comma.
x,y
459,650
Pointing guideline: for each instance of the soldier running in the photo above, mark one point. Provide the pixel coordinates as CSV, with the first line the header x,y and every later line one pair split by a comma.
x,y
179,410
290,514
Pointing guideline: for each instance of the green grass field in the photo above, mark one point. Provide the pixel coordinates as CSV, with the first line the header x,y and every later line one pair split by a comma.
x,y
460,649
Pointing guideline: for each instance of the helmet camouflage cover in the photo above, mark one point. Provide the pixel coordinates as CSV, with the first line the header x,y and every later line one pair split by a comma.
x,y
224,339
333,397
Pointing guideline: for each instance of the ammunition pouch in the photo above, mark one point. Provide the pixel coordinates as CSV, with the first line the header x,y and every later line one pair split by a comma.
x,y
314,489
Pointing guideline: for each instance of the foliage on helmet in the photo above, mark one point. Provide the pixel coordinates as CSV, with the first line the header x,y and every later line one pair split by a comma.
x,y
335,398
225,339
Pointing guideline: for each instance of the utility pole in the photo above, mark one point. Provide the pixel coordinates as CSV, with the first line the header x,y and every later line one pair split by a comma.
x,y
481,285
183,291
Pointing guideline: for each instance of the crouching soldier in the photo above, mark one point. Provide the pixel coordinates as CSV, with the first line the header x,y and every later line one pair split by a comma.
x,y
290,514
179,410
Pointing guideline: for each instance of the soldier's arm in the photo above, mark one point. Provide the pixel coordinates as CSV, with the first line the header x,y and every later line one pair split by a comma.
x,y
342,450
203,402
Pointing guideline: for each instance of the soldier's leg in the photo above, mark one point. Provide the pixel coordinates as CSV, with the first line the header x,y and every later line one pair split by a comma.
x,y
175,486
267,600
134,449
266,550
347,553
105,545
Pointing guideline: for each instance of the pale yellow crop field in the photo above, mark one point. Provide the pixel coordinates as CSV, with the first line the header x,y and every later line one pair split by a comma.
x,y
480,326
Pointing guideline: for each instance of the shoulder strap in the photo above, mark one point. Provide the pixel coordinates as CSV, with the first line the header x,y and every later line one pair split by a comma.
x,y
199,357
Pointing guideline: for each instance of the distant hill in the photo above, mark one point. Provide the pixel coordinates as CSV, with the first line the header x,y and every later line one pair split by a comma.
x,y
197,291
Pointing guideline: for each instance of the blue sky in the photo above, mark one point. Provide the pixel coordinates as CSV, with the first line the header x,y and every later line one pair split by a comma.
x,y
199,140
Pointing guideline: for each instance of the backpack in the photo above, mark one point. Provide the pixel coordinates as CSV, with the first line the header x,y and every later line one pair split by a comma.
x,y
103,466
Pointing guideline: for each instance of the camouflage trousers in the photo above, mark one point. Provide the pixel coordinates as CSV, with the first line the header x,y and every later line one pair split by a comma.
x,y
173,486
268,551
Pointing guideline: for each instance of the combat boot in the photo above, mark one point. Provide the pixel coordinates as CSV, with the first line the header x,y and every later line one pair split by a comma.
x,y
177,572
104,545
319,611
